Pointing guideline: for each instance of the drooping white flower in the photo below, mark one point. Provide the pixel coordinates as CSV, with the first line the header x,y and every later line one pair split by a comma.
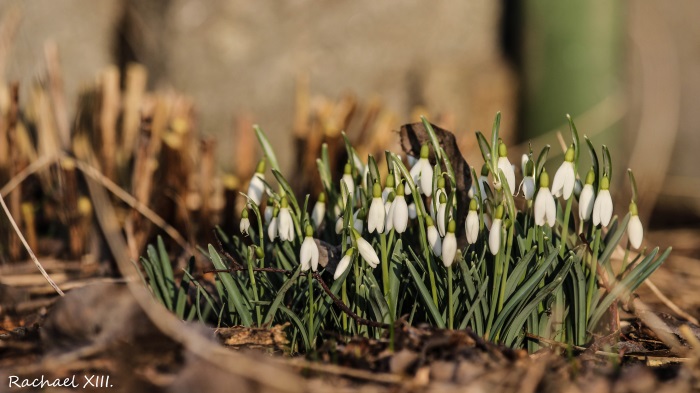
x,y
319,211
545,208
358,221
472,223
635,232
256,187
528,184
343,264
245,222
422,172
286,224
495,234
377,215
347,178
412,211
440,214
433,237
439,193
449,245
482,182
565,178
339,225
587,198
389,208
272,227
505,165
366,250
308,255
399,210
268,213
603,207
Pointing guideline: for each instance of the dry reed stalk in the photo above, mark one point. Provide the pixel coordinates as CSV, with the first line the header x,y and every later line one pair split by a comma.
x,y
300,126
134,89
16,165
60,110
109,112
243,160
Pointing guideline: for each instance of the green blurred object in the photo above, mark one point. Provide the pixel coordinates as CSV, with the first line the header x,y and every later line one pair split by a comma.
x,y
571,57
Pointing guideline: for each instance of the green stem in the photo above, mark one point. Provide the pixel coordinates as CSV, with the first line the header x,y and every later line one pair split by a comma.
x,y
254,286
625,260
312,338
345,300
506,267
385,267
450,307
592,277
565,229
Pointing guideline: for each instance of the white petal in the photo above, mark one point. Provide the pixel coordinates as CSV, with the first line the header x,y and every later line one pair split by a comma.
x,y
245,224
412,212
434,240
483,183
606,207
376,216
342,265
314,253
426,179
635,232
585,202
550,211
400,210
339,225
529,187
367,252
569,181
449,249
564,179
487,221
472,226
358,225
541,205
440,218
416,171
389,223
504,165
318,213
385,194
305,253
596,211
268,214
256,188
272,229
349,182
495,236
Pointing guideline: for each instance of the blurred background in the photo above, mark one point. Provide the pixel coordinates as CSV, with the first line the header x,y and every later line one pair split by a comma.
x,y
627,71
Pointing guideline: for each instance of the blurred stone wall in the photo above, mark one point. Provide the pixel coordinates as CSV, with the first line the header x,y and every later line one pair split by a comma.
x,y
241,56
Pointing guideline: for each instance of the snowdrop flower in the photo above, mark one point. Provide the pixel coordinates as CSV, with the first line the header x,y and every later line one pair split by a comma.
x,y
439,192
377,215
308,255
347,178
272,228
433,237
587,198
603,207
545,209
257,186
472,223
286,224
339,225
506,167
399,210
319,211
449,245
565,178
422,172
268,213
388,188
343,264
529,179
495,235
440,214
389,208
482,182
358,221
635,232
366,250
412,211
245,222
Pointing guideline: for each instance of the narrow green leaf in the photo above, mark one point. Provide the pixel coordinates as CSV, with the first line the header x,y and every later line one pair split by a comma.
x,y
234,294
425,294
267,147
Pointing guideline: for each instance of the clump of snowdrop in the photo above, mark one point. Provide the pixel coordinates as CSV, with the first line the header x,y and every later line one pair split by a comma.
x,y
472,222
545,208
449,245
504,165
286,224
565,178
399,210
495,234
422,172
366,251
343,264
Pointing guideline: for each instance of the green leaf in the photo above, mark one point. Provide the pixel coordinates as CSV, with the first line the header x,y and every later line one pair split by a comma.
x,y
267,148
280,296
234,295
425,294
167,267
518,273
541,160
301,327
160,279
